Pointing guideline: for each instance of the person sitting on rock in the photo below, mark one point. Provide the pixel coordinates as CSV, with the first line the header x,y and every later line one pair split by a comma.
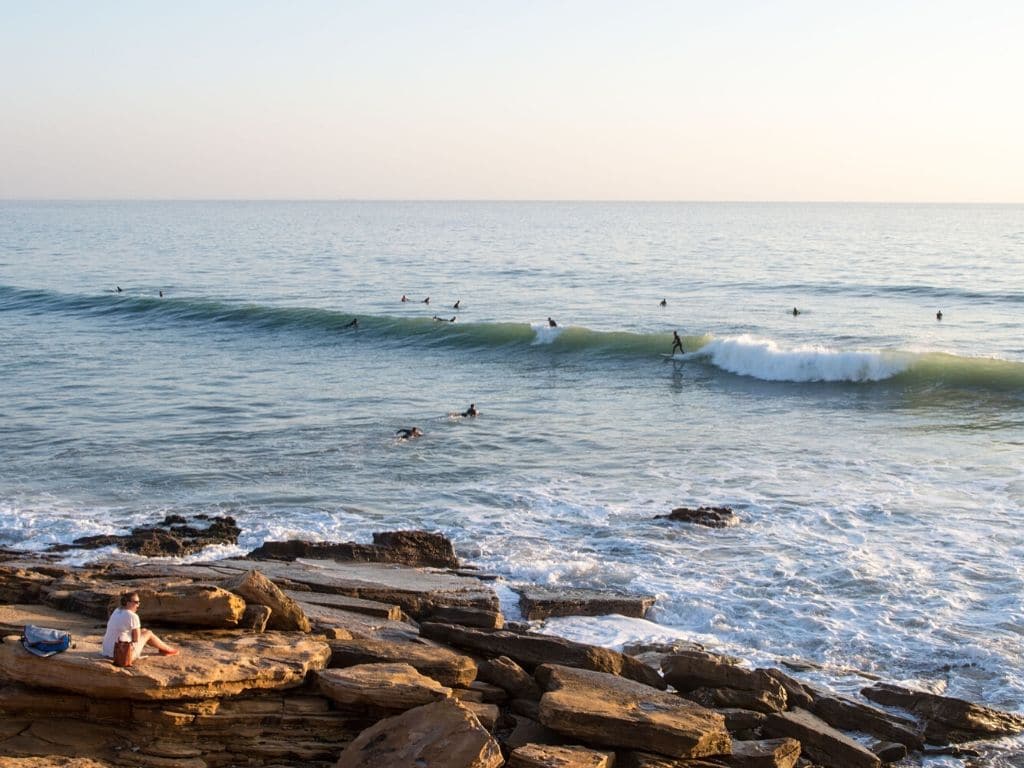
x,y
124,624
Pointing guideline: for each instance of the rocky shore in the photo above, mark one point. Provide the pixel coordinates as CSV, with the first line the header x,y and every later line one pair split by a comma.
x,y
391,654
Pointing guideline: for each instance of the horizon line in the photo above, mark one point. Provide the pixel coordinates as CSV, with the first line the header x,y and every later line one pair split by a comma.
x,y
489,200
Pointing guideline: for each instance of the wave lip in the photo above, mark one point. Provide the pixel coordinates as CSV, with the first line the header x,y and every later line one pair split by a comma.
x,y
764,359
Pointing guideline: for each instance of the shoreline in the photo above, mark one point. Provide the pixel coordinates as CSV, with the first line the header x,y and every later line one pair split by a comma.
x,y
406,600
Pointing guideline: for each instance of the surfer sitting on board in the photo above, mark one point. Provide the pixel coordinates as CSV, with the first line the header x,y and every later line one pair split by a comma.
x,y
353,324
552,323
471,411
677,343
408,433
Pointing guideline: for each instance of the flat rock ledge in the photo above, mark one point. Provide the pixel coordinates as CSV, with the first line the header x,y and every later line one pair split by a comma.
x,y
537,603
206,667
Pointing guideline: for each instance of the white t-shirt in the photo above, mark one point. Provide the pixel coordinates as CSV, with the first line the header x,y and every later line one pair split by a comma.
x,y
119,627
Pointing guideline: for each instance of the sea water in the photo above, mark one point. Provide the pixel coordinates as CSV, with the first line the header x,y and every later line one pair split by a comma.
x,y
872,452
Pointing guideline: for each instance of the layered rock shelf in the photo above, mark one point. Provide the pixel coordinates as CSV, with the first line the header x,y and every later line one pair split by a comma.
x,y
391,655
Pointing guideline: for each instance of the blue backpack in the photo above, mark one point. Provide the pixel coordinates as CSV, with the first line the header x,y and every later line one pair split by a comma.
x,y
43,641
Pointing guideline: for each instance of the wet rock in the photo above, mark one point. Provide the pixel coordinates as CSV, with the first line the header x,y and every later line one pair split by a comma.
x,y
449,668
172,537
440,735
890,751
821,741
607,710
411,548
530,650
948,718
381,686
538,603
712,517
207,667
546,756
254,587
848,714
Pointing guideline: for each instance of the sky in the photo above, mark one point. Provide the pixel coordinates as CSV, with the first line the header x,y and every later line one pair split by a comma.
x,y
523,100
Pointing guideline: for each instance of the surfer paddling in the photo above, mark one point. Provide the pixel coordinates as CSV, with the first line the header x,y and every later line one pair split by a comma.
x,y
408,433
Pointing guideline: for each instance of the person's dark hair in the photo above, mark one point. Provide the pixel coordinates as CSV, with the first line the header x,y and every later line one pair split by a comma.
x,y
128,597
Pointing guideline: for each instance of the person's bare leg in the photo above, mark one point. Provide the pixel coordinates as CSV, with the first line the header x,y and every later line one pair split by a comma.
x,y
156,642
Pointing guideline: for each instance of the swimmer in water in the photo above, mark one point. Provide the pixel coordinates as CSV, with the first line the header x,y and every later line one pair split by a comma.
x,y
552,323
354,323
119,289
161,294
404,298
426,300
677,343
408,433
938,315
663,303
795,311
471,412
456,304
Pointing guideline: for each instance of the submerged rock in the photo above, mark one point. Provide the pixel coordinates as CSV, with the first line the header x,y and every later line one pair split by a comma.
x,y
712,517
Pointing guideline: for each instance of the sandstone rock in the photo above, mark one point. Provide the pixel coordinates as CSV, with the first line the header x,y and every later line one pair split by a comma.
x,y
505,673
489,694
545,756
637,759
21,585
742,721
797,694
439,735
210,667
768,753
530,650
821,741
528,731
354,604
712,517
470,617
256,588
418,592
52,761
690,670
487,714
889,751
537,603
847,714
953,718
13,619
255,618
735,698
608,710
411,548
447,667
383,686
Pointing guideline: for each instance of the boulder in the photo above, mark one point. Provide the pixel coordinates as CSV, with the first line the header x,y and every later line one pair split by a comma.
x,y
255,618
712,517
890,751
538,603
451,669
742,721
608,710
797,694
440,735
821,741
767,753
546,756
689,670
381,686
214,666
947,717
254,587
529,650
411,548
850,715
505,673
762,700
487,714
182,604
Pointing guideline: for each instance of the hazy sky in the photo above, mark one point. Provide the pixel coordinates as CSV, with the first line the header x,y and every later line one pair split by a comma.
x,y
628,100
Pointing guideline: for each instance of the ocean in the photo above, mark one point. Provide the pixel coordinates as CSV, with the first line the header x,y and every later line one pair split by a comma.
x,y
872,451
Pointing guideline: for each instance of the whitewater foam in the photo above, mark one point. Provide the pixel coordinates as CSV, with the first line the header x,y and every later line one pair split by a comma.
x,y
765,359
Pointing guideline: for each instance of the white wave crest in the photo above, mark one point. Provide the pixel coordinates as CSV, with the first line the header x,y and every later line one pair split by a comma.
x,y
544,333
764,359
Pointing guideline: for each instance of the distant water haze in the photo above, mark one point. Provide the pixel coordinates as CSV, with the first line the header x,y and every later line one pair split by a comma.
x,y
872,452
